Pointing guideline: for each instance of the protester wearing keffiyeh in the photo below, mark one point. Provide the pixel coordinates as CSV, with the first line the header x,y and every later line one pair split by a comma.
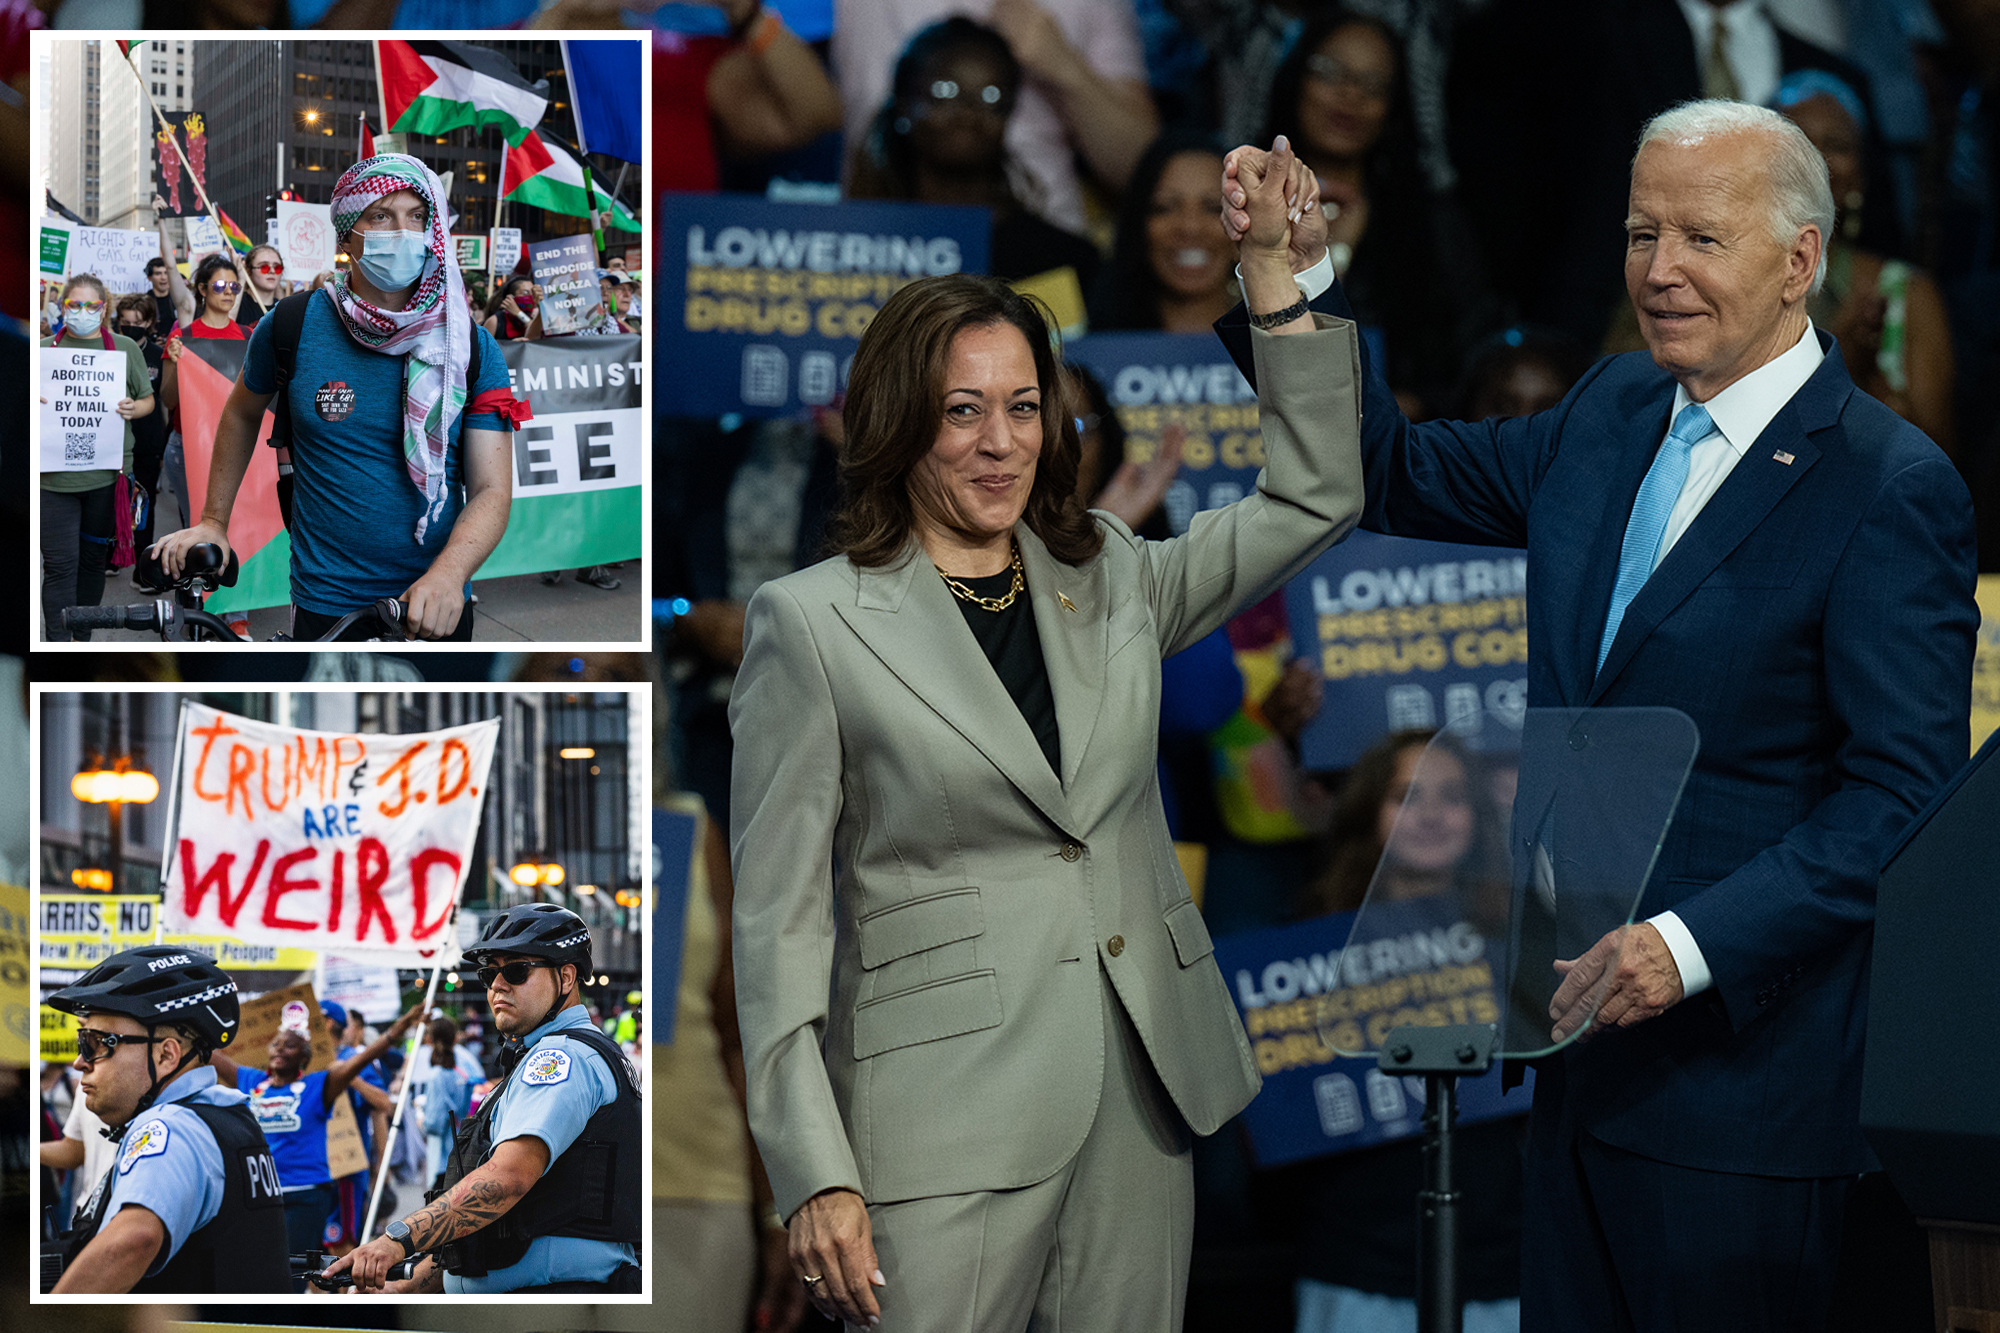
x,y
433,331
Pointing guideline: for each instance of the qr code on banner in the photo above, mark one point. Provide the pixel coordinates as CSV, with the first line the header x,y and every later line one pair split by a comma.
x,y
79,446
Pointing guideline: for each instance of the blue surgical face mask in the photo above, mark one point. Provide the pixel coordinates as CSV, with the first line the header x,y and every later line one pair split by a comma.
x,y
393,259
84,323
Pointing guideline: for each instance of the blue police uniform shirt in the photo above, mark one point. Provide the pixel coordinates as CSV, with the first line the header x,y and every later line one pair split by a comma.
x,y
552,1094
168,1162
354,508
293,1117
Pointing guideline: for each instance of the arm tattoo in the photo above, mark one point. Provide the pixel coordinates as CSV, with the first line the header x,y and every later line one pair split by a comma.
x,y
429,1277
477,1201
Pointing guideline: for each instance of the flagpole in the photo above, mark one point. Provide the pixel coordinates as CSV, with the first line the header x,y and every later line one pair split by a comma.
x,y
499,208
174,138
583,160
381,89
171,822
403,1094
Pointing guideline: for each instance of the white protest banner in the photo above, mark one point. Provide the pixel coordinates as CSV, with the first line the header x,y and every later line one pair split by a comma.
x,y
204,237
81,429
361,986
506,249
305,238
567,269
323,840
118,258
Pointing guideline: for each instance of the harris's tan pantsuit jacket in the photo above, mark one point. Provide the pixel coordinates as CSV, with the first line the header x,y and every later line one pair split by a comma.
x,y
923,906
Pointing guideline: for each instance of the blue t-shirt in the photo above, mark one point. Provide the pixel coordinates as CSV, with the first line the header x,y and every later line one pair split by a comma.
x,y
551,1095
293,1117
169,1164
354,507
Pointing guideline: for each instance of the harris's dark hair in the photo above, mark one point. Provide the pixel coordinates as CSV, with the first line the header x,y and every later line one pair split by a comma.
x,y
895,402
885,161
1130,295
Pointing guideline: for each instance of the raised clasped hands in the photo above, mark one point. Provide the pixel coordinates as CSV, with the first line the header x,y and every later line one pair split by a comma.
x,y
1244,171
1645,982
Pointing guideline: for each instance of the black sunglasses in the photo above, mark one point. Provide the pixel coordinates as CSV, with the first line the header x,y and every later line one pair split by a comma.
x,y
93,1045
515,973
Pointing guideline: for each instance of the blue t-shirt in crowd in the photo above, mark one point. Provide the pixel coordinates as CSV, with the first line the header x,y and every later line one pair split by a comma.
x,y
354,507
293,1116
169,1164
551,1095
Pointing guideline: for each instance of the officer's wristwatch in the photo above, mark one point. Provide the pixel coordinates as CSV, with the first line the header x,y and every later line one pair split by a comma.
x,y
399,1231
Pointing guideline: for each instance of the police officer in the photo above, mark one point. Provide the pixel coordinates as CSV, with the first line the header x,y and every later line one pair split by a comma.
x,y
192,1203
544,1189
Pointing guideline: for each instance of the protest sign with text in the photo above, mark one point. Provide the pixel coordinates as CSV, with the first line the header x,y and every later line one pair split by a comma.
x,y
764,302
351,843
506,248
1157,380
118,258
1408,633
54,261
471,251
567,270
80,392
1292,984
204,238
305,238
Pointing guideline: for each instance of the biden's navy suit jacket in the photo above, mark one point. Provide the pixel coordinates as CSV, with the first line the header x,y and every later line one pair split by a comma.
x,y
1817,622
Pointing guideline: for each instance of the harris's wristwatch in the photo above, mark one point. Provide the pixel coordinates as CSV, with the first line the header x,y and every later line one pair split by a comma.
x,y
399,1231
1280,318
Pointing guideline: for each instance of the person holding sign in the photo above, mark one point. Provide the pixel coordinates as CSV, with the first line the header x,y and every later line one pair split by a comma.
x,y
192,1205
401,462
980,1012
542,1190
1727,526
293,1107
78,518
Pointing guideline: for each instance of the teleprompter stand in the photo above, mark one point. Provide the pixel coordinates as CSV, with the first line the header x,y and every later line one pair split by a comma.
x,y
1442,1055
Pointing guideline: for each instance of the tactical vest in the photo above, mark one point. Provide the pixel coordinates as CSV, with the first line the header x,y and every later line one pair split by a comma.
x,y
242,1249
594,1191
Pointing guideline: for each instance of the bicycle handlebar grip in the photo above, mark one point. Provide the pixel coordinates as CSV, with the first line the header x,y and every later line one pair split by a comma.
x,y
107,617
390,612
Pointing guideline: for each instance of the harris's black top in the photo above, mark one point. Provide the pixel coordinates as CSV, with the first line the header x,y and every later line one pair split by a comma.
x,y
1014,647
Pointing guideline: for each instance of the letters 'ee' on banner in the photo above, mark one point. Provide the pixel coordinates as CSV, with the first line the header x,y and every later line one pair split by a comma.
x,y
324,840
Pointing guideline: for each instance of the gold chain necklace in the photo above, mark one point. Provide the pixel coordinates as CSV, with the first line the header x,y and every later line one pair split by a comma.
x,y
966,594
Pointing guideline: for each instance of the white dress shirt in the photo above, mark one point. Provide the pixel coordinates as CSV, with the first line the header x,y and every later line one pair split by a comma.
x,y
1740,412
1750,39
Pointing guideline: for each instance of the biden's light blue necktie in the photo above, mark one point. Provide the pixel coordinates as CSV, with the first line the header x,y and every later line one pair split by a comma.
x,y
1648,524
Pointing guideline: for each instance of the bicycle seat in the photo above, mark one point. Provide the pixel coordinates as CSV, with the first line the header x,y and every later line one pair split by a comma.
x,y
202,561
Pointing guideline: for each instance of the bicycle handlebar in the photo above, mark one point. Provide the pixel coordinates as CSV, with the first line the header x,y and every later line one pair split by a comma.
x,y
110,617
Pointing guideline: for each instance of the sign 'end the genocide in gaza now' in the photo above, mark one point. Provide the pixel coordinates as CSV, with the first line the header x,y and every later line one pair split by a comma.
x,y
320,839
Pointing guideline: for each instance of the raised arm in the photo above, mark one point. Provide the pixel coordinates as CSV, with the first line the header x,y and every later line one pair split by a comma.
x,y
343,1074
177,288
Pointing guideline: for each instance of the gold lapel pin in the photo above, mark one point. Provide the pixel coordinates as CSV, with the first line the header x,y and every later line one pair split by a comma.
x,y
1783,457
1063,597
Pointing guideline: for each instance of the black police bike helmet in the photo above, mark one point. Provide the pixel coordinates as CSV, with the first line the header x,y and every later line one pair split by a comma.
x,y
158,984
533,930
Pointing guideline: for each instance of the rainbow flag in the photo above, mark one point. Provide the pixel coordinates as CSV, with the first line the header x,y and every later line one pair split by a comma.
x,y
232,233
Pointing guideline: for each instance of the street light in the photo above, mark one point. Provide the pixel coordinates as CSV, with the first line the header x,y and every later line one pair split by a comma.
x,y
528,874
585,890
91,878
116,787
578,752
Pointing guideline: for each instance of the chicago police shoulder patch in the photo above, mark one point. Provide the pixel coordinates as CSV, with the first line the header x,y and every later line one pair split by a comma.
x,y
149,1140
549,1065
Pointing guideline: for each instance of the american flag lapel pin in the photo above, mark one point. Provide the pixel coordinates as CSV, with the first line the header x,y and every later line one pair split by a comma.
x,y
1067,604
1783,457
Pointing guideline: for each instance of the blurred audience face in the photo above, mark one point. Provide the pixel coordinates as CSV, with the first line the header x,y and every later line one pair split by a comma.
x,y
1712,285
156,273
1189,251
976,479
1523,385
958,116
1833,132
288,1054
1428,807
1345,96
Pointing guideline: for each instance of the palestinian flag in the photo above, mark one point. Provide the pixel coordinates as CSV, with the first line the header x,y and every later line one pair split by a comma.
x,y
125,48
207,370
232,233
432,87
550,178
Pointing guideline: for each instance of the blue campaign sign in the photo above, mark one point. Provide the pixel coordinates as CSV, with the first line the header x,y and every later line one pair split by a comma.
x,y
761,304
673,866
1408,634
1288,980
1156,380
